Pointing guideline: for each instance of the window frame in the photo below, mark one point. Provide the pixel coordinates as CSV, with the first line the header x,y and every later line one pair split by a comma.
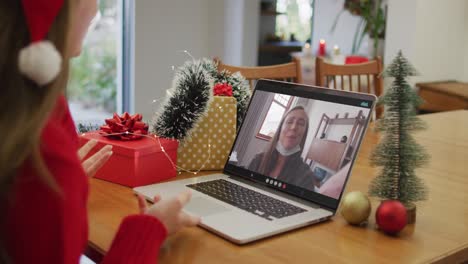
x,y
127,61
286,108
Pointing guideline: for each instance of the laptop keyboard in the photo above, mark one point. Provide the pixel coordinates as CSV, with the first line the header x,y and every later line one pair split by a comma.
x,y
247,199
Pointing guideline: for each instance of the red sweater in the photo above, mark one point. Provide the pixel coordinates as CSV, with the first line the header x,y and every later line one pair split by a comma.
x,y
44,227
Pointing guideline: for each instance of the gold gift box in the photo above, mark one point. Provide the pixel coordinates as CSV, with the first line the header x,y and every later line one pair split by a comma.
x,y
211,140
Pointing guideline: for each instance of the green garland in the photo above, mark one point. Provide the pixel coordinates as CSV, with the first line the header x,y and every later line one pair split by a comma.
x,y
240,87
188,102
191,95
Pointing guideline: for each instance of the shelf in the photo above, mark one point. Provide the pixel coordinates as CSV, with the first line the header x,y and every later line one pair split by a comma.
x,y
271,13
344,121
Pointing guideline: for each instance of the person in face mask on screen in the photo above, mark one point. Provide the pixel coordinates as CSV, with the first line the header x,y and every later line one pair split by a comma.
x,y
282,160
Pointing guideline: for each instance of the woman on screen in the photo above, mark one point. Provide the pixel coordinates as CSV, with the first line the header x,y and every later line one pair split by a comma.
x,y
282,159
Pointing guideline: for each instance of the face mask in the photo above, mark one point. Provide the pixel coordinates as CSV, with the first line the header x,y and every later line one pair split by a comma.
x,y
284,152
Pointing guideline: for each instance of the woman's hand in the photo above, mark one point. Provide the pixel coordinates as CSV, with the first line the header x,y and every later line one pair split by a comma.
x,y
92,164
169,211
333,186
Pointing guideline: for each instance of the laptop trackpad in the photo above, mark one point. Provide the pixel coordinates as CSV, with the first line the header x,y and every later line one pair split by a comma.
x,y
201,206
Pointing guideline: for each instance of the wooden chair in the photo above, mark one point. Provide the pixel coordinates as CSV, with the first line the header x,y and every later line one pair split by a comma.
x,y
363,77
290,72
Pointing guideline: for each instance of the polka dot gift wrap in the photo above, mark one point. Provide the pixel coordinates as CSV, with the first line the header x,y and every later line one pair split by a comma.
x,y
211,140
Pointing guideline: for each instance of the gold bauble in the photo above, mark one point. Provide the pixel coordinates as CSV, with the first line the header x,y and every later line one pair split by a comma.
x,y
355,207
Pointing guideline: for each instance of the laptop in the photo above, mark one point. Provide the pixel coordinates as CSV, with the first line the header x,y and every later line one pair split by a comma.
x,y
288,166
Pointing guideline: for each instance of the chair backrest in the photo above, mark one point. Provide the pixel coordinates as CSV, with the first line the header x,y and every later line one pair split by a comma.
x,y
290,72
344,77
362,77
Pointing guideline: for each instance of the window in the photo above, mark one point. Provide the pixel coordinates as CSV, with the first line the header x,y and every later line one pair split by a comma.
x,y
278,107
296,21
99,82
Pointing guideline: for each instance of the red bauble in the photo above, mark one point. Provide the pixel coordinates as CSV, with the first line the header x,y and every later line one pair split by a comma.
x,y
391,216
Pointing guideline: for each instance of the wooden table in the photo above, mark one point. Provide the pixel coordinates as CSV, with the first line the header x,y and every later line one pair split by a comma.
x,y
439,235
443,96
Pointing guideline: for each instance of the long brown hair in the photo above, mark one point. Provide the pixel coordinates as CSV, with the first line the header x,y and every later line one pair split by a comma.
x,y
24,106
271,154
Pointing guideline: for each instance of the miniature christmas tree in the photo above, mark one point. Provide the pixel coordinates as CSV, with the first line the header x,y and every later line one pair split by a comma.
x,y
398,153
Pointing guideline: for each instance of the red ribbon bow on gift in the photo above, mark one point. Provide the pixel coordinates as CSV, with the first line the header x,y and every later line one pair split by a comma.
x,y
222,89
125,127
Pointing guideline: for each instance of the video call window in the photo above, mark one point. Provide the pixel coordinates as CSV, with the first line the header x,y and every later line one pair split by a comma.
x,y
303,142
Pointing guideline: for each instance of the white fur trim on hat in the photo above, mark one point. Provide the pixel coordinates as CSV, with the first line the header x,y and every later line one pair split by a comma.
x,y
40,62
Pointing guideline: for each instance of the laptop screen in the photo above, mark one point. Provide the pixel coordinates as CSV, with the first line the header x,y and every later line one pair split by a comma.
x,y
301,140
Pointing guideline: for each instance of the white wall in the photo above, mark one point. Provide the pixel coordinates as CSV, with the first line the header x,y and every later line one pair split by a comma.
x,y
217,36
234,9
241,26
251,27
162,29
324,16
401,28
432,34
440,40
464,76
203,27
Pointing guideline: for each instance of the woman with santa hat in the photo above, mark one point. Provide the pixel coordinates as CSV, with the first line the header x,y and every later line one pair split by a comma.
x,y
43,179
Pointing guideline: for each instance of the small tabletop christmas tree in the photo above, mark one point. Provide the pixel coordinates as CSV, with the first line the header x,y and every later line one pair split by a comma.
x,y
398,153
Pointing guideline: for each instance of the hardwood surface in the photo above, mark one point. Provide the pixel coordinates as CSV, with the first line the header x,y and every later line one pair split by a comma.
x,y
443,96
439,235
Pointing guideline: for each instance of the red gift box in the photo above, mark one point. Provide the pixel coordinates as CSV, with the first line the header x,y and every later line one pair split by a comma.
x,y
136,162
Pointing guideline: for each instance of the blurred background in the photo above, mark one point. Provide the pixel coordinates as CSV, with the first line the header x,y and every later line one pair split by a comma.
x,y
128,58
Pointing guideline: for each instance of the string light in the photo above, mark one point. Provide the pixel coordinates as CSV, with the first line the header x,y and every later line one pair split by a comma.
x,y
168,94
188,53
157,139
173,68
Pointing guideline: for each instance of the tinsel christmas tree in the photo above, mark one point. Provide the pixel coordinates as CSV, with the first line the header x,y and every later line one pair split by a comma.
x,y
240,88
191,95
187,102
398,153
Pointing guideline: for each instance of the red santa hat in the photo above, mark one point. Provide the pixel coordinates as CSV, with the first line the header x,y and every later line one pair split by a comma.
x,y
40,61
